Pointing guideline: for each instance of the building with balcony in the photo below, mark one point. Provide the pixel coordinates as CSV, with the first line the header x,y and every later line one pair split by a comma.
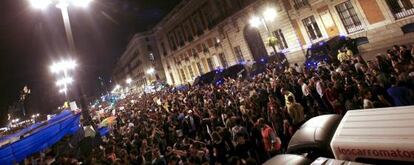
x,y
199,36
382,22
140,56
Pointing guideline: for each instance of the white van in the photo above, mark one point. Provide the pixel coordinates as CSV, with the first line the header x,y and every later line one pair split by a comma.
x,y
376,136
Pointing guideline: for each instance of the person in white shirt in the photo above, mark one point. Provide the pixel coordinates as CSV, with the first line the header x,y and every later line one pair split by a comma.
x,y
367,100
318,85
305,88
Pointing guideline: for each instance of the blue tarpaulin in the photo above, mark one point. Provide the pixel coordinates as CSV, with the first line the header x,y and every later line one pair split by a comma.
x,y
103,131
39,138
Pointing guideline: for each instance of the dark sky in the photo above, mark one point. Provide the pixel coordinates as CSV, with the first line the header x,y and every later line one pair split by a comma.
x,y
31,39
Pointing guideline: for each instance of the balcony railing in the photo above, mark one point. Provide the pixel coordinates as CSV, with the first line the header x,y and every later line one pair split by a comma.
x,y
300,3
355,29
404,13
401,8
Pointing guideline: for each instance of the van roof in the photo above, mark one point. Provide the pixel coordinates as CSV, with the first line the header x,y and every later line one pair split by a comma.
x,y
366,133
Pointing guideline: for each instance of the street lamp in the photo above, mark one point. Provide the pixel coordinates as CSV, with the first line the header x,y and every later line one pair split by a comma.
x,y
269,14
150,71
63,6
64,81
63,66
40,4
63,90
128,81
81,3
255,21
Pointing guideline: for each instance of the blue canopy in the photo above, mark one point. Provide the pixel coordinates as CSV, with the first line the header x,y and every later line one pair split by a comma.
x,y
38,137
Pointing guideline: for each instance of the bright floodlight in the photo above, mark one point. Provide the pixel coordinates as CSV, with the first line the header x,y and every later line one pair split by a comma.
x,y
81,3
64,81
270,14
150,71
128,80
255,21
63,90
117,87
40,4
63,66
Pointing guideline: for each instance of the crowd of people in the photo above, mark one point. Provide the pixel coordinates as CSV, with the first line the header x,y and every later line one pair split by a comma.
x,y
246,121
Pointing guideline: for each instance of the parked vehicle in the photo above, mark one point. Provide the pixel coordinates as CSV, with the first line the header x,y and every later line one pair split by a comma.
x,y
328,50
375,136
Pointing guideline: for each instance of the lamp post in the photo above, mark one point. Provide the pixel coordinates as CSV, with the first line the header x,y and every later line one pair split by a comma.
x,y
129,88
269,14
63,6
150,72
64,67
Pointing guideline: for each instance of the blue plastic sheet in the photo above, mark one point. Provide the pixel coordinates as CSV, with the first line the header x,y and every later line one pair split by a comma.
x,y
103,131
65,123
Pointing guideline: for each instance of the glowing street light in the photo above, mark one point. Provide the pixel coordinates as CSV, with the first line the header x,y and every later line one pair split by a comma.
x,y
40,4
150,71
63,6
43,4
255,21
63,66
81,3
128,81
63,90
269,14
64,81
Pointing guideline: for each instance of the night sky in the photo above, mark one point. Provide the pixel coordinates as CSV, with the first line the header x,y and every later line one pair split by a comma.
x,y
31,39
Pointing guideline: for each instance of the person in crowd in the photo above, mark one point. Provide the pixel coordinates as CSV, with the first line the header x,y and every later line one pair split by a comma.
x,y
296,113
271,141
349,53
342,56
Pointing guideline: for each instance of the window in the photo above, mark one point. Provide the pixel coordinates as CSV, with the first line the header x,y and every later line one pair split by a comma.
x,y
136,52
168,65
198,23
401,8
149,48
183,75
172,78
194,52
171,40
188,30
207,12
180,36
205,48
239,54
164,51
223,60
300,3
200,68
210,64
190,70
349,17
282,44
312,28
